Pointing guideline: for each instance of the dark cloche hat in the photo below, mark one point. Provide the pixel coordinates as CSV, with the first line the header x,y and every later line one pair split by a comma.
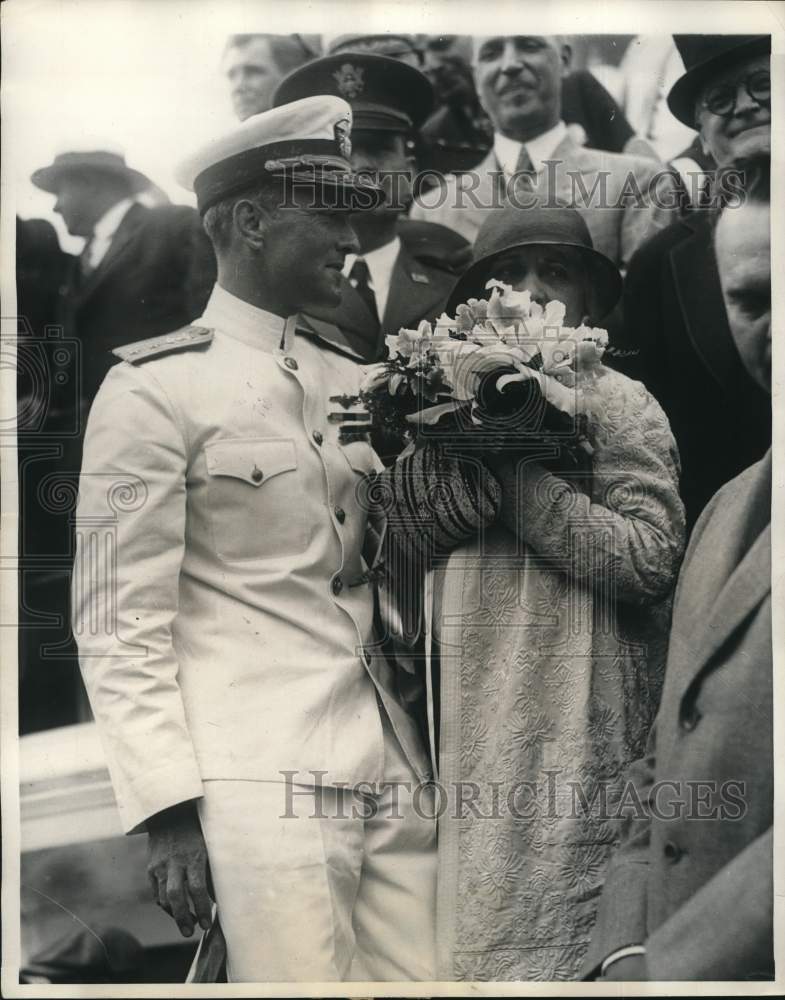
x,y
509,228
704,56
384,93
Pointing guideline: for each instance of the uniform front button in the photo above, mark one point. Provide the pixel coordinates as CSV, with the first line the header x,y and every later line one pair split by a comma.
x,y
672,851
291,364
318,437
340,515
337,585
257,475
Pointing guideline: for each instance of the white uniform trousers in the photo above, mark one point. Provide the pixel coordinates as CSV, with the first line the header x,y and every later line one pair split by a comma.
x,y
322,884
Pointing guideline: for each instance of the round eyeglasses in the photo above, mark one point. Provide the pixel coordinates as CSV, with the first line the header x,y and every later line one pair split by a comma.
x,y
721,100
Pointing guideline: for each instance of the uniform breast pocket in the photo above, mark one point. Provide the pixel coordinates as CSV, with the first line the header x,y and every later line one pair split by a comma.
x,y
256,508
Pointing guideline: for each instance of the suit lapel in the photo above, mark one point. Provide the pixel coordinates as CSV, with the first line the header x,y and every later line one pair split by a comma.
x,y
745,527
694,273
124,236
331,335
353,318
412,295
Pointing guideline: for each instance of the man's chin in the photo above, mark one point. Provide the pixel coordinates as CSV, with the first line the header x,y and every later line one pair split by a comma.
x,y
327,296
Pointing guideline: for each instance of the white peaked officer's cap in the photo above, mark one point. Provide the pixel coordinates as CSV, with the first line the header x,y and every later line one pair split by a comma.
x,y
305,143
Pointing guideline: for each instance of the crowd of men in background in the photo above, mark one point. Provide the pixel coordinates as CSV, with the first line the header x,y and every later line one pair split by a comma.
x,y
450,115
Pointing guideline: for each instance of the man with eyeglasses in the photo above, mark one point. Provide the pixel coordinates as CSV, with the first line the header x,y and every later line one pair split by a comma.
x,y
674,316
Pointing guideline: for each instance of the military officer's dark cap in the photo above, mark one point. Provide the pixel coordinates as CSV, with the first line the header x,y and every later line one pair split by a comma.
x,y
385,94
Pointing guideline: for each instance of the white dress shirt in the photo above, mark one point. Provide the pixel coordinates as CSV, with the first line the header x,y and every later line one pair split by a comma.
x,y
540,149
381,264
104,231
235,619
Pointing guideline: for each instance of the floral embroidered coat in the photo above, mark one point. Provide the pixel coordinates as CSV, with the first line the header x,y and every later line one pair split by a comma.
x,y
551,628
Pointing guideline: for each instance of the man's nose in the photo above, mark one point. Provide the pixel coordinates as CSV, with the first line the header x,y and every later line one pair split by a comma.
x,y
744,103
347,241
511,58
532,284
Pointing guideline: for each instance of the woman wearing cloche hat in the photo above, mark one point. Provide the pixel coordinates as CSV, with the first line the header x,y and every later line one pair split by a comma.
x,y
547,642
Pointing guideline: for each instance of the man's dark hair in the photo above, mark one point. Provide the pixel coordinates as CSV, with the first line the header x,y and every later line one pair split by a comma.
x,y
288,51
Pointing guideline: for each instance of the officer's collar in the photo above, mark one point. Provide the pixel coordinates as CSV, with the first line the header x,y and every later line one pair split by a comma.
x,y
239,319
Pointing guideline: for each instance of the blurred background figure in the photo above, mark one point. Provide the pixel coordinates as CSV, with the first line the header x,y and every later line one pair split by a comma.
x,y
40,268
675,319
142,271
254,65
649,67
46,368
458,135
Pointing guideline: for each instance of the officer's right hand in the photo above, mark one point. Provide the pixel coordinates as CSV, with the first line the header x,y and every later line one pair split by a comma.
x,y
177,866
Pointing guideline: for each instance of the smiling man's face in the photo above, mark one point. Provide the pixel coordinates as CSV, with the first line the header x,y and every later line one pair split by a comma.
x,y
519,82
747,131
304,252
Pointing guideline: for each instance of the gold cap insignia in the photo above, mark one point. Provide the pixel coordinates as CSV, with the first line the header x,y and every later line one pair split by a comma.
x,y
350,80
342,130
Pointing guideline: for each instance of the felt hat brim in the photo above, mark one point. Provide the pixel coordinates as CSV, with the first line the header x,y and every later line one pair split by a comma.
x,y
605,281
49,178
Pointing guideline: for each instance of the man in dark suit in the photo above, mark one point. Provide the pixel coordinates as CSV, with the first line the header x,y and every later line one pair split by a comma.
x,y
674,317
689,896
404,271
143,271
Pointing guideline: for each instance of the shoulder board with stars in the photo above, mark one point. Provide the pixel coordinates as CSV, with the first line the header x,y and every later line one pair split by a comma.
x,y
186,339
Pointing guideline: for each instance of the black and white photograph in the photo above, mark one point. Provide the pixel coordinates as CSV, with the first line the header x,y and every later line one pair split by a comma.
x,y
392,481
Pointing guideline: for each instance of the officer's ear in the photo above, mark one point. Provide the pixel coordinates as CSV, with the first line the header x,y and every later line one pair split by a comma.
x,y
252,218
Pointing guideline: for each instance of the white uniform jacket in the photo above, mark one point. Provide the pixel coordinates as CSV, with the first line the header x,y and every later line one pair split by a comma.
x,y
223,623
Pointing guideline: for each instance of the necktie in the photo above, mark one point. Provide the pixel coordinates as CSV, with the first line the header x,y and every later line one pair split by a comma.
x,y
85,264
524,162
360,280
524,178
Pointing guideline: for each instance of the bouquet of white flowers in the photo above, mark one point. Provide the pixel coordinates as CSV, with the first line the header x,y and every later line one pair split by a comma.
x,y
502,370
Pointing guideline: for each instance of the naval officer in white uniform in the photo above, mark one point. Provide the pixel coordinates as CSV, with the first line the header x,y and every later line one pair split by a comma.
x,y
222,604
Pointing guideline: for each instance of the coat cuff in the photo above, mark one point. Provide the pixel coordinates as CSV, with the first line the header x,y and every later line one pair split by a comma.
x,y
622,915
157,790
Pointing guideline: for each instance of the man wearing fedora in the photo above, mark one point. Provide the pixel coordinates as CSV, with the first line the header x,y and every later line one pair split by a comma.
x,y
519,82
675,322
143,271
403,273
689,894
247,719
